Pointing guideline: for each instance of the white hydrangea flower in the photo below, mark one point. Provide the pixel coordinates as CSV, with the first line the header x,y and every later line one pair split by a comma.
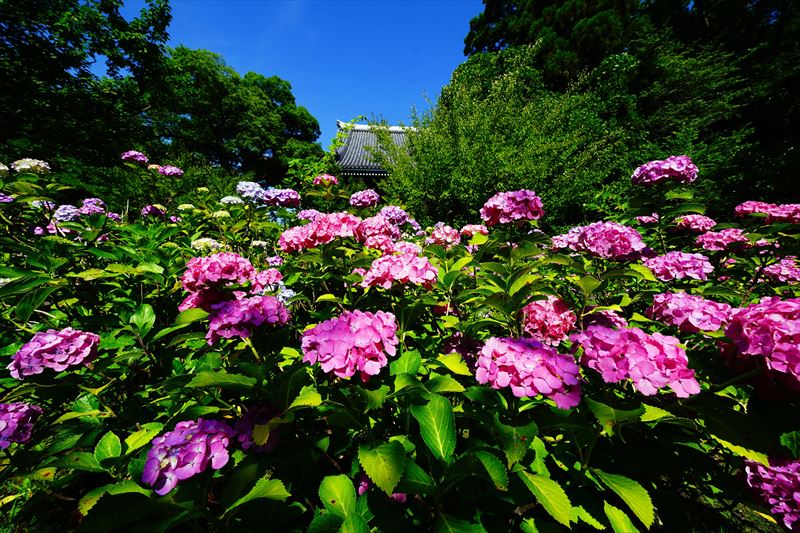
x,y
230,200
221,214
186,207
3,170
259,244
206,244
36,166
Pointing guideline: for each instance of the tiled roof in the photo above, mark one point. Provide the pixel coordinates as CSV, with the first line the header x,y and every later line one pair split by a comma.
x,y
354,156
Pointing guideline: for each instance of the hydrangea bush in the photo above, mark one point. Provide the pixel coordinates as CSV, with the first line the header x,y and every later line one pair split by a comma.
x,y
313,360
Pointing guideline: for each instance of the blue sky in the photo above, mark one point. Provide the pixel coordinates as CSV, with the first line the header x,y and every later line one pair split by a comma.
x,y
343,58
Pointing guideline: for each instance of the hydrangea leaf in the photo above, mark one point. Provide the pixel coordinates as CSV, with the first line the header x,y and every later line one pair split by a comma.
x,y
338,495
632,493
455,364
445,383
270,489
579,513
308,397
450,524
495,468
610,417
108,446
620,522
143,319
383,464
415,479
136,440
190,315
550,494
515,439
222,380
407,363
437,426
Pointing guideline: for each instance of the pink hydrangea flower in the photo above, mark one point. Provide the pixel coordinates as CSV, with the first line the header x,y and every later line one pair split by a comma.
x,y
403,269
779,486
774,212
16,422
608,240
377,225
512,207
394,214
326,180
169,170
265,279
382,243
323,229
189,449
308,214
238,318
443,235
529,368
784,271
695,223
651,362
720,240
406,247
216,271
548,320
679,265
689,312
678,168
470,230
356,341
648,219
54,349
769,329
605,317
365,198
132,156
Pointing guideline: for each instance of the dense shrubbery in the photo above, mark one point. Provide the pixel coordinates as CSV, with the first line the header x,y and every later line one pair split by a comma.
x,y
222,364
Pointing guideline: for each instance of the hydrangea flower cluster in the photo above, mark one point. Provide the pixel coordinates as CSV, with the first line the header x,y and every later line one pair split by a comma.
x,y
326,180
322,230
382,243
679,265
652,362
273,261
394,214
16,422
231,200
66,213
206,244
308,214
377,225
170,171
695,223
216,271
238,318
512,207
132,156
689,312
779,486
529,368
187,450
251,191
154,210
548,320
784,271
774,212
605,317
406,247
608,240
443,235
721,240
356,341
282,197
54,349
92,206
648,219
470,230
769,329
36,166
404,269
365,198
5,199
678,168
245,426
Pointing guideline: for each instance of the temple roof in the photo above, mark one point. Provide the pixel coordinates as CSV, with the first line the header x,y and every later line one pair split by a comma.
x,y
354,156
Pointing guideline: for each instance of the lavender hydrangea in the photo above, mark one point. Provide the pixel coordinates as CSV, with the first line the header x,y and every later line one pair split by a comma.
x,y
5,199
54,349
394,214
92,206
238,318
154,210
365,198
779,486
678,168
170,171
66,213
251,191
132,156
282,197
16,422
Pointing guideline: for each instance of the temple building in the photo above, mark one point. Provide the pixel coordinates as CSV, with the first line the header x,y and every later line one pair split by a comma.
x,y
355,157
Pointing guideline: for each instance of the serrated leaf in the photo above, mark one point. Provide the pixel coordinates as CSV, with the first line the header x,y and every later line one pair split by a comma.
x,y
81,461
550,494
588,284
269,489
136,440
329,298
515,439
415,479
325,523
643,270
383,464
632,493
579,513
355,523
437,426
610,417
143,319
108,446
308,397
743,452
454,363
652,413
408,363
93,496
620,522
338,495
190,315
440,384
222,380
495,468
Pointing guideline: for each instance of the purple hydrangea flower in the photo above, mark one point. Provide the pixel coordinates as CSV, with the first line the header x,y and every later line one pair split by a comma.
x,y
238,318
779,486
92,206
187,450
66,213
282,197
394,214
132,156
16,422
5,199
251,190
308,214
678,168
245,427
152,211
274,261
169,170
54,349
365,198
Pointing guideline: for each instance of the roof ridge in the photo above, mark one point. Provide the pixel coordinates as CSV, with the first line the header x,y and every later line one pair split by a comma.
x,y
369,127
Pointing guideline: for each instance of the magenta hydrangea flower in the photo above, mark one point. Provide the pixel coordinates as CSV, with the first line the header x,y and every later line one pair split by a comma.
x,y
274,261
216,271
244,427
403,269
382,243
264,279
377,225
769,329
784,271
651,362
365,198
326,180
720,240
774,212
529,368
189,449
608,240
322,230
605,317
282,197
695,223
648,219
54,349
679,265
356,341
238,318
394,214
467,347
170,171
16,422
689,312
512,207
470,230
443,235
678,168
778,485
132,156
548,320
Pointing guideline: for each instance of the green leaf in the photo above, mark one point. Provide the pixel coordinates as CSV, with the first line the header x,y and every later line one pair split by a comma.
x,y
338,495
407,363
32,301
437,426
415,479
632,493
383,464
450,524
222,380
455,364
791,441
550,495
444,384
325,523
93,496
579,513
515,439
108,446
269,489
620,522
81,461
354,524
308,397
643,270
329,298
652,413
190,315
373,398
610,417
741,451
528,526
143,319
495,468
588,284
136,440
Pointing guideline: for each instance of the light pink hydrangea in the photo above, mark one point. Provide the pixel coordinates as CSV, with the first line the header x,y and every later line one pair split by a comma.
x,y
326,180
689,312
608,240
678,168
695,223
377,225
784,271
239,318
648,219
679,265
365,198
769,329
470,230
54,349
651,362
382,243
216,271
548,320
512,207
356,341
406,247
403,269
779,486
265,279
443,235
323,229
308,214
721,240
529,368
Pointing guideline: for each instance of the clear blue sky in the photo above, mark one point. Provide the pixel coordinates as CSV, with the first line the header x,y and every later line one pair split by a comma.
x,y
343,58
